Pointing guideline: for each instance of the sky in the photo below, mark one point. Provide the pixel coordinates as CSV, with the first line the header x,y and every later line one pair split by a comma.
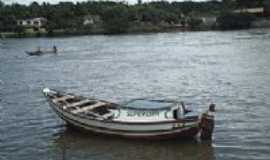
x,y
56,1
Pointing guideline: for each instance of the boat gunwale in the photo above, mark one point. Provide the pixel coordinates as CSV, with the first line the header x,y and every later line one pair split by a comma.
x,y
123,105
185,120
173,130
119,107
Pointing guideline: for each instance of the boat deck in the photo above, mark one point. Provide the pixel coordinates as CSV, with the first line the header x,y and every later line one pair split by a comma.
x,y
84,106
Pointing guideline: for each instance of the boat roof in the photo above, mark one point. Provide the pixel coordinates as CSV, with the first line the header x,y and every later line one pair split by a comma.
x,y
150,104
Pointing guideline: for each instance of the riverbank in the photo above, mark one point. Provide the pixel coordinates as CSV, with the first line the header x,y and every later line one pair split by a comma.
x,y
142,28
84,18
139,29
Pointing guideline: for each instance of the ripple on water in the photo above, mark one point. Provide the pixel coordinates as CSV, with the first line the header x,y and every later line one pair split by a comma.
x,y
198,67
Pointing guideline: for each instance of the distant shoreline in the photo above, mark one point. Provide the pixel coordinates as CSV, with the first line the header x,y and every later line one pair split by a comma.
x,y
112,18
70,34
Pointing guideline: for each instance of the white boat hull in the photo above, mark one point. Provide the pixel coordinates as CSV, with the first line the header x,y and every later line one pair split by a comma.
x,y
181,128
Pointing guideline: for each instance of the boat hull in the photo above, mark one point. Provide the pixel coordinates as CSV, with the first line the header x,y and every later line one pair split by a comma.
x,y
102,117
156,131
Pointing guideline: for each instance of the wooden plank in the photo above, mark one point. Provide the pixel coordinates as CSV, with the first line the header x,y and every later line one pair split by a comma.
x,y
90,107
78,103
63,98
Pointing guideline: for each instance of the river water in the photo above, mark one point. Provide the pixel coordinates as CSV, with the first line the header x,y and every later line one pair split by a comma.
x,y
230,69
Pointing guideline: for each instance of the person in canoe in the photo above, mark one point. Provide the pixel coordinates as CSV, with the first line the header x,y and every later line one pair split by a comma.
x,y
54,49
39,52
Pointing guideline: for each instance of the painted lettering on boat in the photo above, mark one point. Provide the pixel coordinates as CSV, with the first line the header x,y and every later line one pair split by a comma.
x,y
142,113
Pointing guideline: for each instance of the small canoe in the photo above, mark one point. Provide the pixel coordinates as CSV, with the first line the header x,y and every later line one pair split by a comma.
x,y
38,53
140,118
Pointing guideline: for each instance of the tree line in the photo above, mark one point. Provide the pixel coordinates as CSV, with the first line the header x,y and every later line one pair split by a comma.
x,y
118,17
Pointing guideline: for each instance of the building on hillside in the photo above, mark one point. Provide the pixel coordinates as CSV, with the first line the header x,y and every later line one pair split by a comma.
x,y
91,19
209,21
32,22
259,11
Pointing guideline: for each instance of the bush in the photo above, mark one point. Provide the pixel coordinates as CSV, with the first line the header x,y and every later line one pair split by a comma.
x,y
230,21
116,19
194,22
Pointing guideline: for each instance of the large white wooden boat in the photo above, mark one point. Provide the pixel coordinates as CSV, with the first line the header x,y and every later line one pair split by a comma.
x,y
140,118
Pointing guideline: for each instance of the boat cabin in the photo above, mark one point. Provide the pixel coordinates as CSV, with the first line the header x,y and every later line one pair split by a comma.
x,y
144,110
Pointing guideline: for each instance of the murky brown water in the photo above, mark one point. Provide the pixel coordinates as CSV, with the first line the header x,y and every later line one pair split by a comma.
x,y
231,69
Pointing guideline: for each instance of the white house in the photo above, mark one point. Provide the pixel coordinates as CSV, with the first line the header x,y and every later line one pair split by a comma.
x,y
209,20
257,11
33,22
91,19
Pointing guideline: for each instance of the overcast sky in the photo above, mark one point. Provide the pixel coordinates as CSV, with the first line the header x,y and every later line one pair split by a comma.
x,y
56,1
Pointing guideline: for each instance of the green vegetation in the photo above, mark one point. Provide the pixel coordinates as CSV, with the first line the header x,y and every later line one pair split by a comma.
x,y
228,21
116,19
95,17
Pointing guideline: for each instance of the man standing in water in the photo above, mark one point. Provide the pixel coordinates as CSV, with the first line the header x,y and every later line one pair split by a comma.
x,y
207,123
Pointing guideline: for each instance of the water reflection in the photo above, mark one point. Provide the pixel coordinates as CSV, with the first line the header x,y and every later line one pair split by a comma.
x,y
72,144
